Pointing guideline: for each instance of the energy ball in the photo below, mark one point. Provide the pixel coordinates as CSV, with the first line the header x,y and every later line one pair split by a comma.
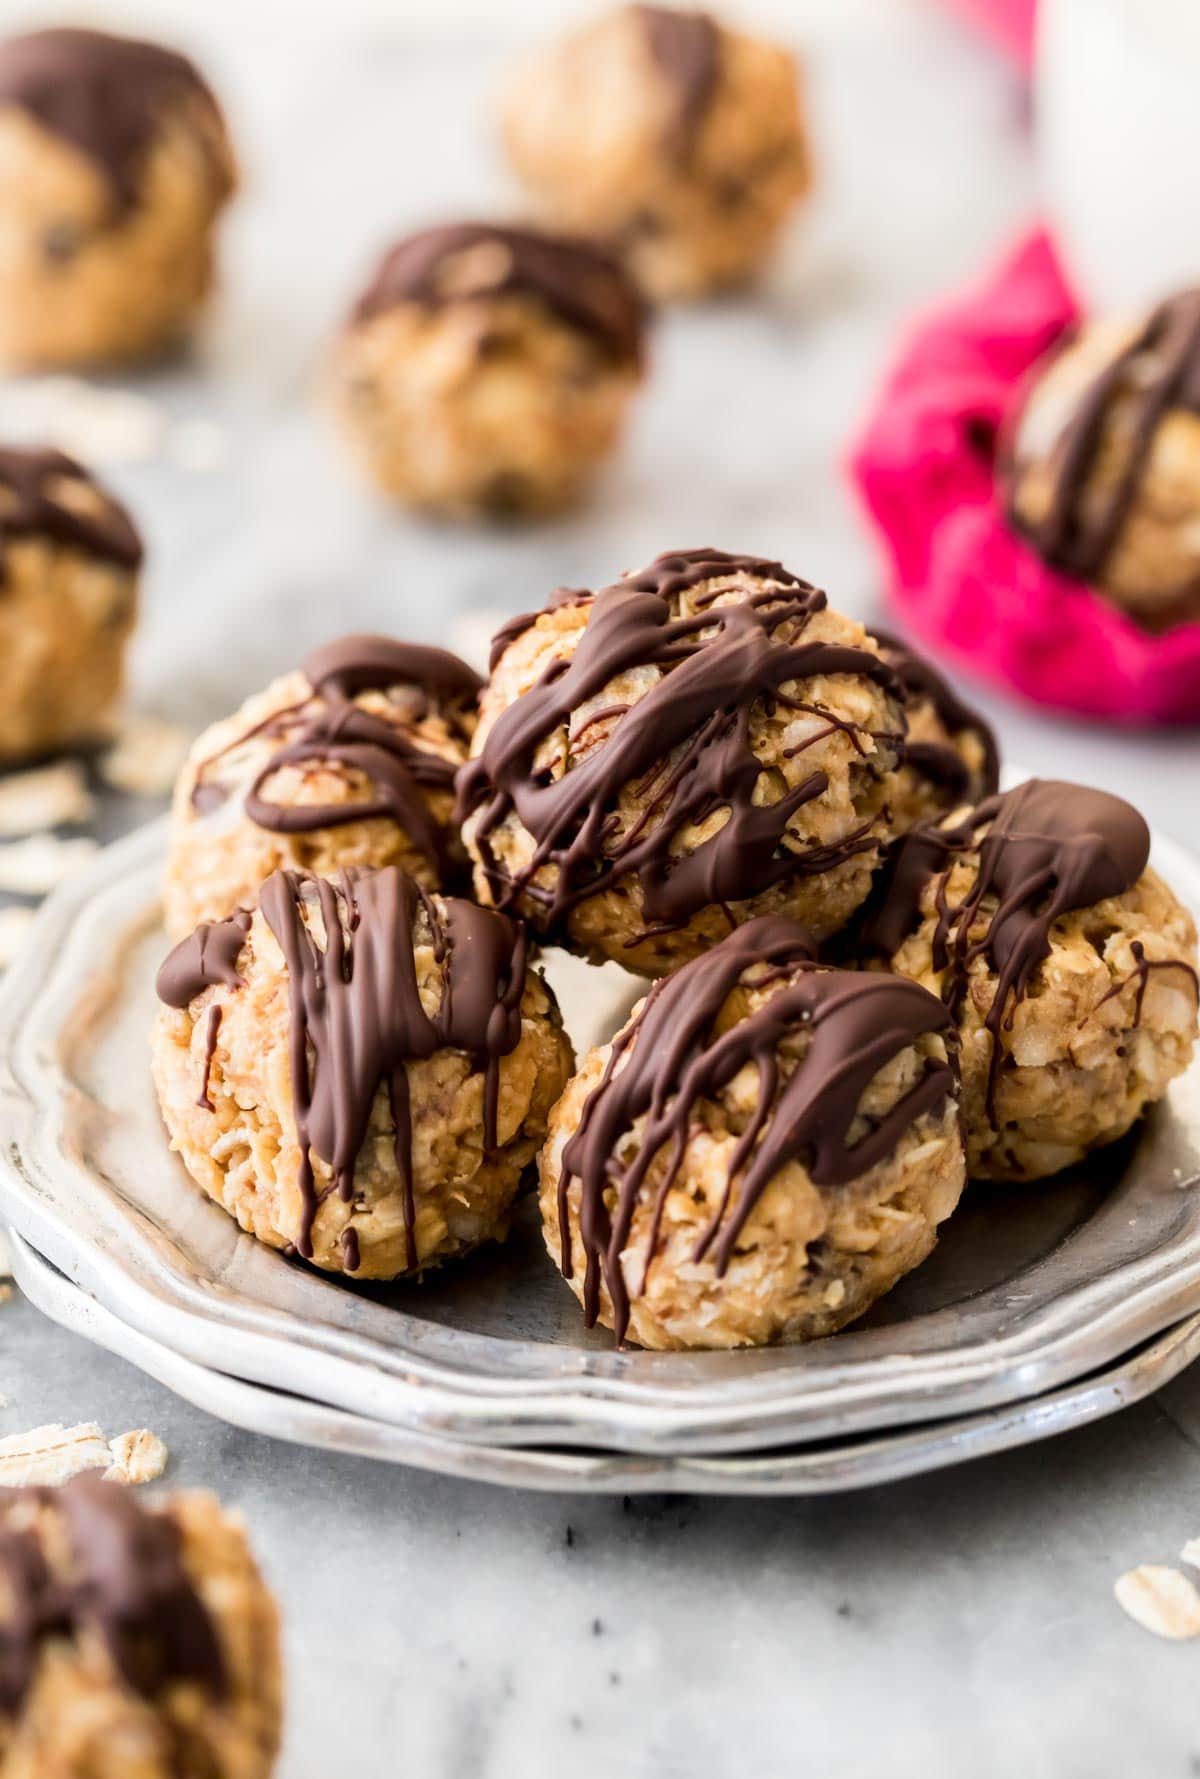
x,y
1104,470
1069,966
114,165
69,561
139,1638
359,1071
349,761
487,371
696,745
950,753
764,1149
676,139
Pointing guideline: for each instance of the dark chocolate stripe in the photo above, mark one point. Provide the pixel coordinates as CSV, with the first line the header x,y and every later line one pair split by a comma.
x,y
31,505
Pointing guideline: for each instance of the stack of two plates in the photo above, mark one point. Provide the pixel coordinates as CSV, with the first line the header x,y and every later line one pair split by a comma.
x,y
1042,1308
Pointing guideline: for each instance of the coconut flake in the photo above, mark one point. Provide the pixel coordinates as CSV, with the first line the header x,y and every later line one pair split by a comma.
x,y
39,864
1161,1600
44,798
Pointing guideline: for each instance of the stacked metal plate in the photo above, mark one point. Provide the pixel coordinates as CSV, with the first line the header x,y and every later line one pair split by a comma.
x,y
1043,1306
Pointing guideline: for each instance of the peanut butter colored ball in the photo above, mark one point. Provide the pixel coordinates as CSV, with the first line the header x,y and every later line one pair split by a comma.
x,y
139,1639
486,371
950,753
1104,477
359,1071
761,1152
696,745
1069,966
69,562
114,166
668,134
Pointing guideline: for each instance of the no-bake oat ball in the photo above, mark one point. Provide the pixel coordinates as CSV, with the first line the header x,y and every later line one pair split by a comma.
x,y
950,752
114,165
139,1639
1069,966
69,561
666,133
359,1071
696,745
349,761
764,1149
486,371
1104,470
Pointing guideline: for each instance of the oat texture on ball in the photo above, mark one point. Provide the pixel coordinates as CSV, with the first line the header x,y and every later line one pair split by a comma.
x,y
359,1071
139,1638
114,166
764,1149
486,371
1104,466
677,139
698,744
1068,963
349,761
69,561
951,756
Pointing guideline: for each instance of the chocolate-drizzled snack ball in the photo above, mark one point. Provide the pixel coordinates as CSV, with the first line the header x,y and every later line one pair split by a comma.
x,y
487,371
669,135
114,165
349,761
950,753
1068,964
701,743
69,560
139,1641
359,1071
764,1149
1104,477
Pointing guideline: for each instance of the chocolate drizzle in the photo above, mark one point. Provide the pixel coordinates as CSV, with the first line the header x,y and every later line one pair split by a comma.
x,y
205,958
32,485
715,666
356,1006
674,1054
330,727
107,97
460,262
686,46
938,762
127,1582
1158,370
1045,849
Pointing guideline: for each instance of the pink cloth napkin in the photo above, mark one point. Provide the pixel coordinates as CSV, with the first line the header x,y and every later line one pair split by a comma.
x,y
1010,21
924,467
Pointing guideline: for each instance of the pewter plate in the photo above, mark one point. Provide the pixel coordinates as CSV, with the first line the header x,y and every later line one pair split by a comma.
x,y
834,1467
1028,1290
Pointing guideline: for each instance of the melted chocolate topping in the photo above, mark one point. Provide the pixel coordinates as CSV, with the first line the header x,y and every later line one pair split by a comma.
x,y
31,505
338,730
938,762
127,1582
1158,370
206,957
687,48
584,286
673,1055
1045,850
715,667
105,95
356,1007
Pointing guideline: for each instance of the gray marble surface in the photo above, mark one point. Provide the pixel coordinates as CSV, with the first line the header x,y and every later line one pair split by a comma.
x,y
961,1624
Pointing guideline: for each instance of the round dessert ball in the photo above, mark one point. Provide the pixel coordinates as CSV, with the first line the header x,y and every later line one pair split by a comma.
x,y
348,761
1104,462
69,561
486,371
114,165
139,1638
696,745
1069,966
761,1152
676,139
950,753
359,1071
